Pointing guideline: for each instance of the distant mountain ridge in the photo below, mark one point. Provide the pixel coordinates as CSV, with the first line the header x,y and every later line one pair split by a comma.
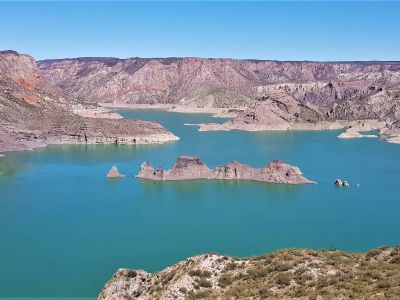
x,y
227,83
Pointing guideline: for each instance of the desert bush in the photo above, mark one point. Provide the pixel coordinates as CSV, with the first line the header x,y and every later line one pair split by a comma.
x,y
204,283
282,279
225,280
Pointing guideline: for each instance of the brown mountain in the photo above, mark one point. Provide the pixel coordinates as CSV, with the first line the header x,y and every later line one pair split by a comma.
x,y
230,82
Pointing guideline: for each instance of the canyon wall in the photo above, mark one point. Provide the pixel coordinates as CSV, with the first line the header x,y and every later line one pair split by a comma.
x,y
345,90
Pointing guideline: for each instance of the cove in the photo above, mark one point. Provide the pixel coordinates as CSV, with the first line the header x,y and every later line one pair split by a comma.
x,y
65,228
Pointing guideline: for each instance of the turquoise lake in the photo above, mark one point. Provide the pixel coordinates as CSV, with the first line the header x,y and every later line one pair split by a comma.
x,y
65,228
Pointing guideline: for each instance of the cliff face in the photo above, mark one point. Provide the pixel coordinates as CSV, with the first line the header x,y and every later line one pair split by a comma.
x,y
218,82
33,113
189,167
286,274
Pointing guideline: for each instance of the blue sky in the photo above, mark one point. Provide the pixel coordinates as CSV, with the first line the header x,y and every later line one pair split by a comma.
x,y
261,30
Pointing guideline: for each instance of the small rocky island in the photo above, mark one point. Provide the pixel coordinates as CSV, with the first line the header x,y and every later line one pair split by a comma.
x,y
190,167
114,173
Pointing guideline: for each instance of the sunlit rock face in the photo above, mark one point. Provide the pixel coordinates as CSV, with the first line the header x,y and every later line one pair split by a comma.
x,y
190,167
225,82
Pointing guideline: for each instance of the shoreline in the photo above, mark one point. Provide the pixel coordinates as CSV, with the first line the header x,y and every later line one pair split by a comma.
x,y
323,125
216,112
134,140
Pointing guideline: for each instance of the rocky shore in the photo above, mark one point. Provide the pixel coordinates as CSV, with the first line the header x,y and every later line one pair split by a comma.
x,y
189,168
285,274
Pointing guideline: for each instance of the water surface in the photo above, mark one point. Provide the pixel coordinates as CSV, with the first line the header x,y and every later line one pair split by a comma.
x,y
65,228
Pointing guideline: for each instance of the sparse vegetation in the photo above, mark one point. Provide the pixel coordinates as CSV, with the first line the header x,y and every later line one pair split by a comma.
x,y
289,274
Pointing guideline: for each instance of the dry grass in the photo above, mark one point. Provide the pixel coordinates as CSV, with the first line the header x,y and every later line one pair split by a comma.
x,y
288,274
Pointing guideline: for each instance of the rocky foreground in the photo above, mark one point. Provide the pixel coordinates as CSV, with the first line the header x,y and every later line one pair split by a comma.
x,y
35,113
285,274
189,168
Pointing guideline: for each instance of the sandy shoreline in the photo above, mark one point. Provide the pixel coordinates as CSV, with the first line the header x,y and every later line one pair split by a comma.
x,y
215,111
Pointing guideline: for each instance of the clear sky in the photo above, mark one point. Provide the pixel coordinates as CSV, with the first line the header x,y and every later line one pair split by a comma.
x,y
260,30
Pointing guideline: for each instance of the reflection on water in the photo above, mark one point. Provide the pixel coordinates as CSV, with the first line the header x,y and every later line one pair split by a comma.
x,y
9,165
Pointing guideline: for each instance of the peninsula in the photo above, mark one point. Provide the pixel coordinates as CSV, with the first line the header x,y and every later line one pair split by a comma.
x,y
35,113
190,167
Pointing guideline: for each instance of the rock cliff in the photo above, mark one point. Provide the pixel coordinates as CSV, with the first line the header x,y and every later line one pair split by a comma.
x,y
285,274
34,113
189,167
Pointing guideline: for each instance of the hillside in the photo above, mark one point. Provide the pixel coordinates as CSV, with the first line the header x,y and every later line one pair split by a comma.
x,y
34,113
285,274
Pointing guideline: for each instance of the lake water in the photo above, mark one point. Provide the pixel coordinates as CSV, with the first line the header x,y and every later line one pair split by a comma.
x,y
65,228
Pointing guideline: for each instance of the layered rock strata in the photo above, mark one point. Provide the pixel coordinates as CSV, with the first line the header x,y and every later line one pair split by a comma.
x,y
34,113
189,167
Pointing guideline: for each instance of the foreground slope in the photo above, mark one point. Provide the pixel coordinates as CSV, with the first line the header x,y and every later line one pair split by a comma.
x,y
34,113
285,274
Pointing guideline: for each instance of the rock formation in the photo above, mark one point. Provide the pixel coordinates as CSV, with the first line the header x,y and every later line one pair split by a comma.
x,y
188,167
113,173
34,113
285,274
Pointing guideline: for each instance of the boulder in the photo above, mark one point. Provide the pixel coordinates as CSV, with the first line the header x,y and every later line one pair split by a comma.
x,y
338,181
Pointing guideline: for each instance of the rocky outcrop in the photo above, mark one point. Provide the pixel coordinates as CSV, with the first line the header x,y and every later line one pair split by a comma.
x,y
114,173
34,113
285,274
189,167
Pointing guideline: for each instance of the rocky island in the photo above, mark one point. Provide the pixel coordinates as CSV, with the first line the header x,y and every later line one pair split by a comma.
x,y
190,167
114,173
285,274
